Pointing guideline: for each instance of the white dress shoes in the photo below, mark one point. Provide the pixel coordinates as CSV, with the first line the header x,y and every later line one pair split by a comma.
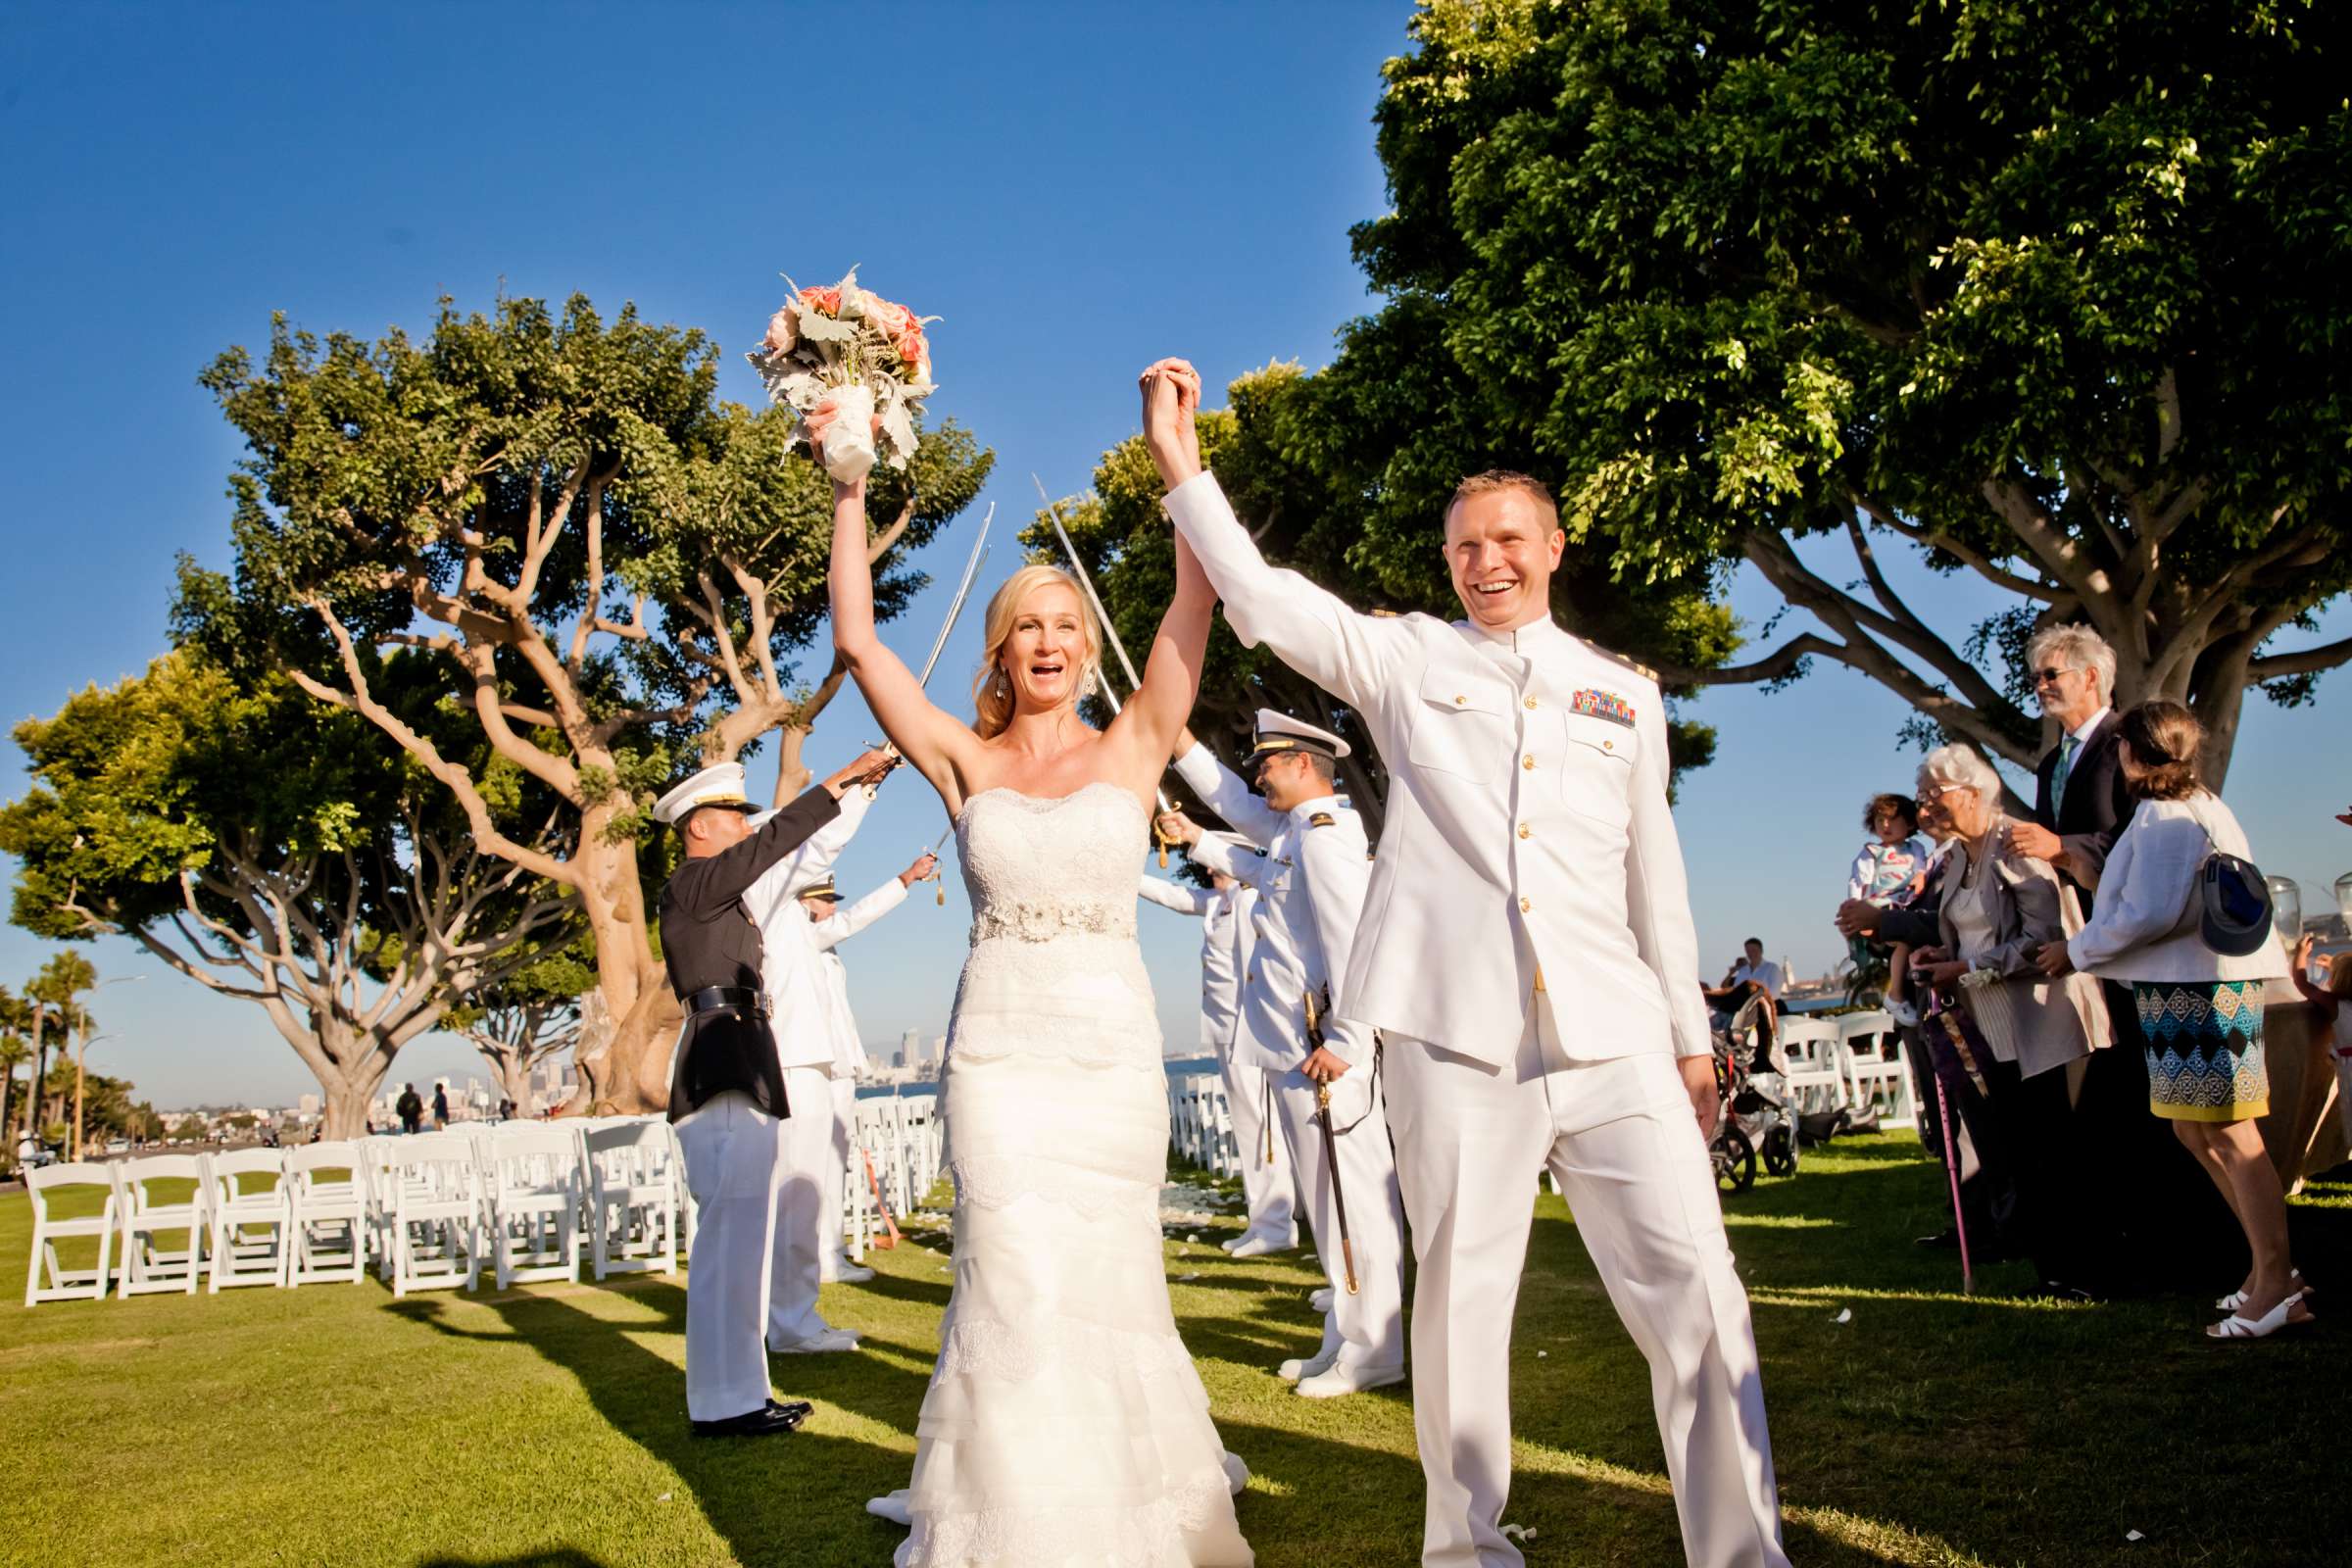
x,y
825,1344
853,1274
1298,1368
1342,1379
1320,1300
1255,1246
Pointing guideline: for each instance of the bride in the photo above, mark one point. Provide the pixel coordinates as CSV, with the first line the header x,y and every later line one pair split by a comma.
x,y
1064,1422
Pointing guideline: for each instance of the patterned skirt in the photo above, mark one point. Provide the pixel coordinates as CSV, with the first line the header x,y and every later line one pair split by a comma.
x,y
2204,1049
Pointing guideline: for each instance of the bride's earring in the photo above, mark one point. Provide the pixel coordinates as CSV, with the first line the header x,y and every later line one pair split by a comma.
x,y
1000,682
1088,685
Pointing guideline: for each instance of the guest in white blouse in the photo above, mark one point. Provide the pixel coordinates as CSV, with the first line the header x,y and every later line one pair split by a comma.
x,y
2201,1011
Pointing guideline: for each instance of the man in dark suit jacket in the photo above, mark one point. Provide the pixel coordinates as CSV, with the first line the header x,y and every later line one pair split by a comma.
x,y
2142,1216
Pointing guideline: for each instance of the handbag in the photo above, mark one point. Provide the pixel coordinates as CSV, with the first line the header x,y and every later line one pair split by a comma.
x,y
2234,915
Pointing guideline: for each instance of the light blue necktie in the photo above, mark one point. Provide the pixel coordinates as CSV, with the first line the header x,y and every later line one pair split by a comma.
x,y
2066,766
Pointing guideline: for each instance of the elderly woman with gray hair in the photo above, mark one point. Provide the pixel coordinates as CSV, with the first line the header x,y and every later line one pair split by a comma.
x,y
1999,908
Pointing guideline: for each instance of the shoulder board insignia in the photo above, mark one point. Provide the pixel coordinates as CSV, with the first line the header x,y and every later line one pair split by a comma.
x,y
1322,819
1593,702
1387,614
1643,671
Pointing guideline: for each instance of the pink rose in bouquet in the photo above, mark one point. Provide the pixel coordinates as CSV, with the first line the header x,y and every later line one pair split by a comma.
x,y
783,331
827,300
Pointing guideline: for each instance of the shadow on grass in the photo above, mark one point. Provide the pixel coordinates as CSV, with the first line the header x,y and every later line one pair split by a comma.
x,y
560,1557
753,1492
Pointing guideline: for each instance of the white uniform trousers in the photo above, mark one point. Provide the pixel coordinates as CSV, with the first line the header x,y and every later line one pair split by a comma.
x,y
730,1147
1268,1184
832,1250
806,1156
1368,1326
1620,1137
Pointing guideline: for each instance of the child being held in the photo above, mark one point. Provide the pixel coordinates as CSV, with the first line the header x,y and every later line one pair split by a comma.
x,y
1889,871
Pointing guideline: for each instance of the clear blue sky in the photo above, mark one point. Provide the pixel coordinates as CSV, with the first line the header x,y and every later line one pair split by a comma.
x,y
1076,189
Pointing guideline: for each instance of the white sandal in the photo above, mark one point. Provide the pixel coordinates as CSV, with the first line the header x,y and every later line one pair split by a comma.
x,y
2238,1299
2235,1327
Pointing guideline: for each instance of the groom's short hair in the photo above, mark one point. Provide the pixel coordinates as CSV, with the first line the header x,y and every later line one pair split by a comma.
x,y
1494,480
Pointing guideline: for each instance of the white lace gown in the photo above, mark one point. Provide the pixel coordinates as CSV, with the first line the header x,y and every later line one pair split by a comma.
x,y
1064,1423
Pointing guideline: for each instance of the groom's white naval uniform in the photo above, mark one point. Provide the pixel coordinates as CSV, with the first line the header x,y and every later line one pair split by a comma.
x,y
1529,955
829,934
1310,885
1227,941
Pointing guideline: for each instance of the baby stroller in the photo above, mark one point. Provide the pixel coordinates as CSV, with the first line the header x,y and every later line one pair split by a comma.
x,y
1756,1120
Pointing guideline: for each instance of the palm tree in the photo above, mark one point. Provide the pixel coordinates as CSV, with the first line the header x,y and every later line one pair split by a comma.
x,y
52,991
16,1016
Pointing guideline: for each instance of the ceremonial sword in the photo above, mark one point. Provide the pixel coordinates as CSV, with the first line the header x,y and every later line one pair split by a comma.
x,y
1110,634
963,589
1331,1148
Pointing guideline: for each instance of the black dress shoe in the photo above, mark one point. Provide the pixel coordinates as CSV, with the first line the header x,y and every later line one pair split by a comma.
x,y
770,1421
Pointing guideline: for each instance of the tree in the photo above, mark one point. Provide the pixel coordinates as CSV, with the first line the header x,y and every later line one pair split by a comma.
x,y
2049,295
281,854
528,1017
509,498
16,1018
1289,450
55,1013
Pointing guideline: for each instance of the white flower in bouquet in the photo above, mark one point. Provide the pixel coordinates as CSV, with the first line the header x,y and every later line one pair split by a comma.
x,y
854,368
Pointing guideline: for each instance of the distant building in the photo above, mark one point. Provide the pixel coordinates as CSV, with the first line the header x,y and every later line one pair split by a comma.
x,y
307,1106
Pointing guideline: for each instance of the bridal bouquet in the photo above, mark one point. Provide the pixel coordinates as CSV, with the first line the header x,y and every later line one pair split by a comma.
x,y
855,368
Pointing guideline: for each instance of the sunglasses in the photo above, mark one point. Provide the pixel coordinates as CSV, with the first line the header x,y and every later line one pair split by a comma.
x,y
2050,677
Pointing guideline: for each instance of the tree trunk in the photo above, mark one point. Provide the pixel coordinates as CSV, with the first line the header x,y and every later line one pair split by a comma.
x,y
630,1075
8,1094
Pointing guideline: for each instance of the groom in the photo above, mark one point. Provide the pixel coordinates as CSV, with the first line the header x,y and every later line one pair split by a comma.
x,y
1542,883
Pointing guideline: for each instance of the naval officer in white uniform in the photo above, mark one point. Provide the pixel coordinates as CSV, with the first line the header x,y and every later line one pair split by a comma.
x,y
830,924
1227,938
1311,886
1528,953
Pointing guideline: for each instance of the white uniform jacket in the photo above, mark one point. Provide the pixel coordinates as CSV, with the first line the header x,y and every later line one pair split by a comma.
x,y
799,992
1224,953
1311,884
829,934
1528,857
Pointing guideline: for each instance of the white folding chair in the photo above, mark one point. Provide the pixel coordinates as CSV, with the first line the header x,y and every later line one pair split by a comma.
x,y
436,1214
148,1215
251,1218
633,1182
327,1203
531,1191
65,1284
1813,1079
1880,1079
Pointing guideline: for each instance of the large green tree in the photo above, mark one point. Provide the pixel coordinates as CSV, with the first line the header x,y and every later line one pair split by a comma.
x,y
2050,294
281,854
598,554
529,1017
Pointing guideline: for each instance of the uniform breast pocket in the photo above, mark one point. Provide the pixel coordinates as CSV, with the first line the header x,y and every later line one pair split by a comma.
x,y
1597,778
1461,727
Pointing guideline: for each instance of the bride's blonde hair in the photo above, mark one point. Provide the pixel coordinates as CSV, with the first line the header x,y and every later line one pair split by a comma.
x,y
992,688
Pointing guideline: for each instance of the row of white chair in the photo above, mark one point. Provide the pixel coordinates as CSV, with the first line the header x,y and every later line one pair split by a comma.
x,y
1201,1123
1839,1064
528,1200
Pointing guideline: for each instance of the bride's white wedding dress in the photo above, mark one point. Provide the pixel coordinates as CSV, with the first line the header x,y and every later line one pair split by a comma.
x,y
1065,1423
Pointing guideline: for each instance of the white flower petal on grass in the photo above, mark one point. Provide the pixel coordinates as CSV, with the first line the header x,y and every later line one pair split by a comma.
x,y
1847,1316
2133,1535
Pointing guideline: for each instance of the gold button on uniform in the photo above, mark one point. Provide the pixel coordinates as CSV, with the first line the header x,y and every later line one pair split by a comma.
x,y
1524,830
1608,746
1530,702
1526,903
1528,761
1459,698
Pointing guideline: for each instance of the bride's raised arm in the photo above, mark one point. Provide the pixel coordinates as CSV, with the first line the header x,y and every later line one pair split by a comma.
x,y
1172,673
935,741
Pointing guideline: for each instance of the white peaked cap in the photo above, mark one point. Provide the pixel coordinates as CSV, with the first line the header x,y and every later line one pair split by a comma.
x,y
1280,732
720,784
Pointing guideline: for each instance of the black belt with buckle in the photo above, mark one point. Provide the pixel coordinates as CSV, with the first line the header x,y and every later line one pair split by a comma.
x,y
742,999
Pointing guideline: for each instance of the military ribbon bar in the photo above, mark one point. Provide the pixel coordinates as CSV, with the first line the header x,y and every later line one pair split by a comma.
x,y
1595,703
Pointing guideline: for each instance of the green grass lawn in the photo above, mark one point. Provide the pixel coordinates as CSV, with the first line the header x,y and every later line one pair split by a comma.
x,y
546,1425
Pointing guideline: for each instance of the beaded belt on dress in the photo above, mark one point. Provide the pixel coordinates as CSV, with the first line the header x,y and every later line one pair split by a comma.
x,y
1043,922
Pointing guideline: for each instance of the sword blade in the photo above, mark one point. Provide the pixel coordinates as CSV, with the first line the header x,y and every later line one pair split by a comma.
x,y
963,589
1111,633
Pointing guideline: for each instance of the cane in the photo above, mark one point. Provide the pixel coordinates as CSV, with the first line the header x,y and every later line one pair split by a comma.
x,y
1951,1169
1331,1156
